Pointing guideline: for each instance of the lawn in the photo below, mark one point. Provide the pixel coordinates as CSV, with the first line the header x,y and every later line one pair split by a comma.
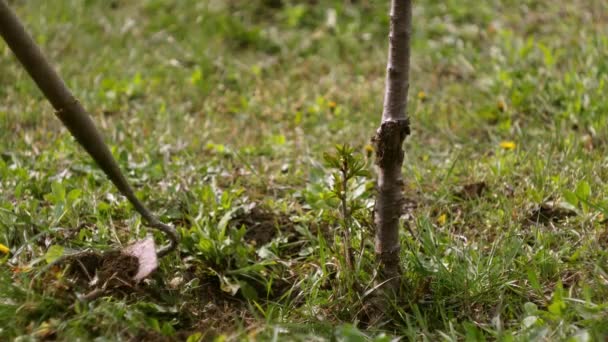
x,y
226,116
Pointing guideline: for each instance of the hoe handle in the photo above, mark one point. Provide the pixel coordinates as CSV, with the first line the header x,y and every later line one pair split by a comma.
x,y
72,114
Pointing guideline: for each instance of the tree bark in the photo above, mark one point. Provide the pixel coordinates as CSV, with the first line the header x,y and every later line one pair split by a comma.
x,y
389,138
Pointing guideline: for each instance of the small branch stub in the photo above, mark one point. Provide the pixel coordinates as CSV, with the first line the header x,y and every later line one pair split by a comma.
x,y
388,142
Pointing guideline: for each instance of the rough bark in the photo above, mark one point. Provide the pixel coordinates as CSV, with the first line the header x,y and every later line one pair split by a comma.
x,y
71,112
388,141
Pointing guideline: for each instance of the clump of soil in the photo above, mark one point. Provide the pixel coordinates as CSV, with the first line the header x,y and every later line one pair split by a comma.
x,y
472,190
263,225
83,266
117,269
110,271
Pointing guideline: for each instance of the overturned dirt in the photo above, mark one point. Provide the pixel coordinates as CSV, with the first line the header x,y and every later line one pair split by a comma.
x,y
263,225
83,266
118,269
472,190
105,272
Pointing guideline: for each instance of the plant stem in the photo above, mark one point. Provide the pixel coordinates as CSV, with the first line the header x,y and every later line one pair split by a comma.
x,y
345,215
389,143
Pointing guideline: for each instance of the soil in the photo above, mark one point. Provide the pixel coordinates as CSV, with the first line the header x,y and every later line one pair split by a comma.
x,y
472,190
263,225
118,269
83,266
114,270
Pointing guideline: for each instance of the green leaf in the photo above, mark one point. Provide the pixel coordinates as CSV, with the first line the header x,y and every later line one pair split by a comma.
x,y
223,224
53,253
278,139
167,329
153,323
530,321
266,253
58,192
350,333
58,212
205,245
530,308
583,190
196,76
331,160
557,305
18,188
74,195
196,337
220,338
248,291
103,206
473,333
571,197
533,278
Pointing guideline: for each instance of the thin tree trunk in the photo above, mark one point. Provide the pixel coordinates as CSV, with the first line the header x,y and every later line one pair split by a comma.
x,y
389,143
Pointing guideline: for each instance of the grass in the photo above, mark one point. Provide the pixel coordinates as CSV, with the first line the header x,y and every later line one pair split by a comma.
x,y
225,116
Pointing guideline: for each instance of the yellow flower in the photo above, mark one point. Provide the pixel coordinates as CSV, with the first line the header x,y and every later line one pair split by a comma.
x,y
508,145
4,249
332,104
441,219
421,95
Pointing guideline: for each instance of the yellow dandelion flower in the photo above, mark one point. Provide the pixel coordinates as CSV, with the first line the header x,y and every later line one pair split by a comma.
x,y
332,104
442,219
4,249
421,95
508,145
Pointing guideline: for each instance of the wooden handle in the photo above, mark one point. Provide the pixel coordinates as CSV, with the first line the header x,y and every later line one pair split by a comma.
x,y
72,114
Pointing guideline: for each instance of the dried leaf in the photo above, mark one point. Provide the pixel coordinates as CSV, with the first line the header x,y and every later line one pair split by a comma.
x,y
145,252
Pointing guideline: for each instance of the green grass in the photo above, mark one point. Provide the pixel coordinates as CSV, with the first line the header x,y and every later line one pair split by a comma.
x,y
221,112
